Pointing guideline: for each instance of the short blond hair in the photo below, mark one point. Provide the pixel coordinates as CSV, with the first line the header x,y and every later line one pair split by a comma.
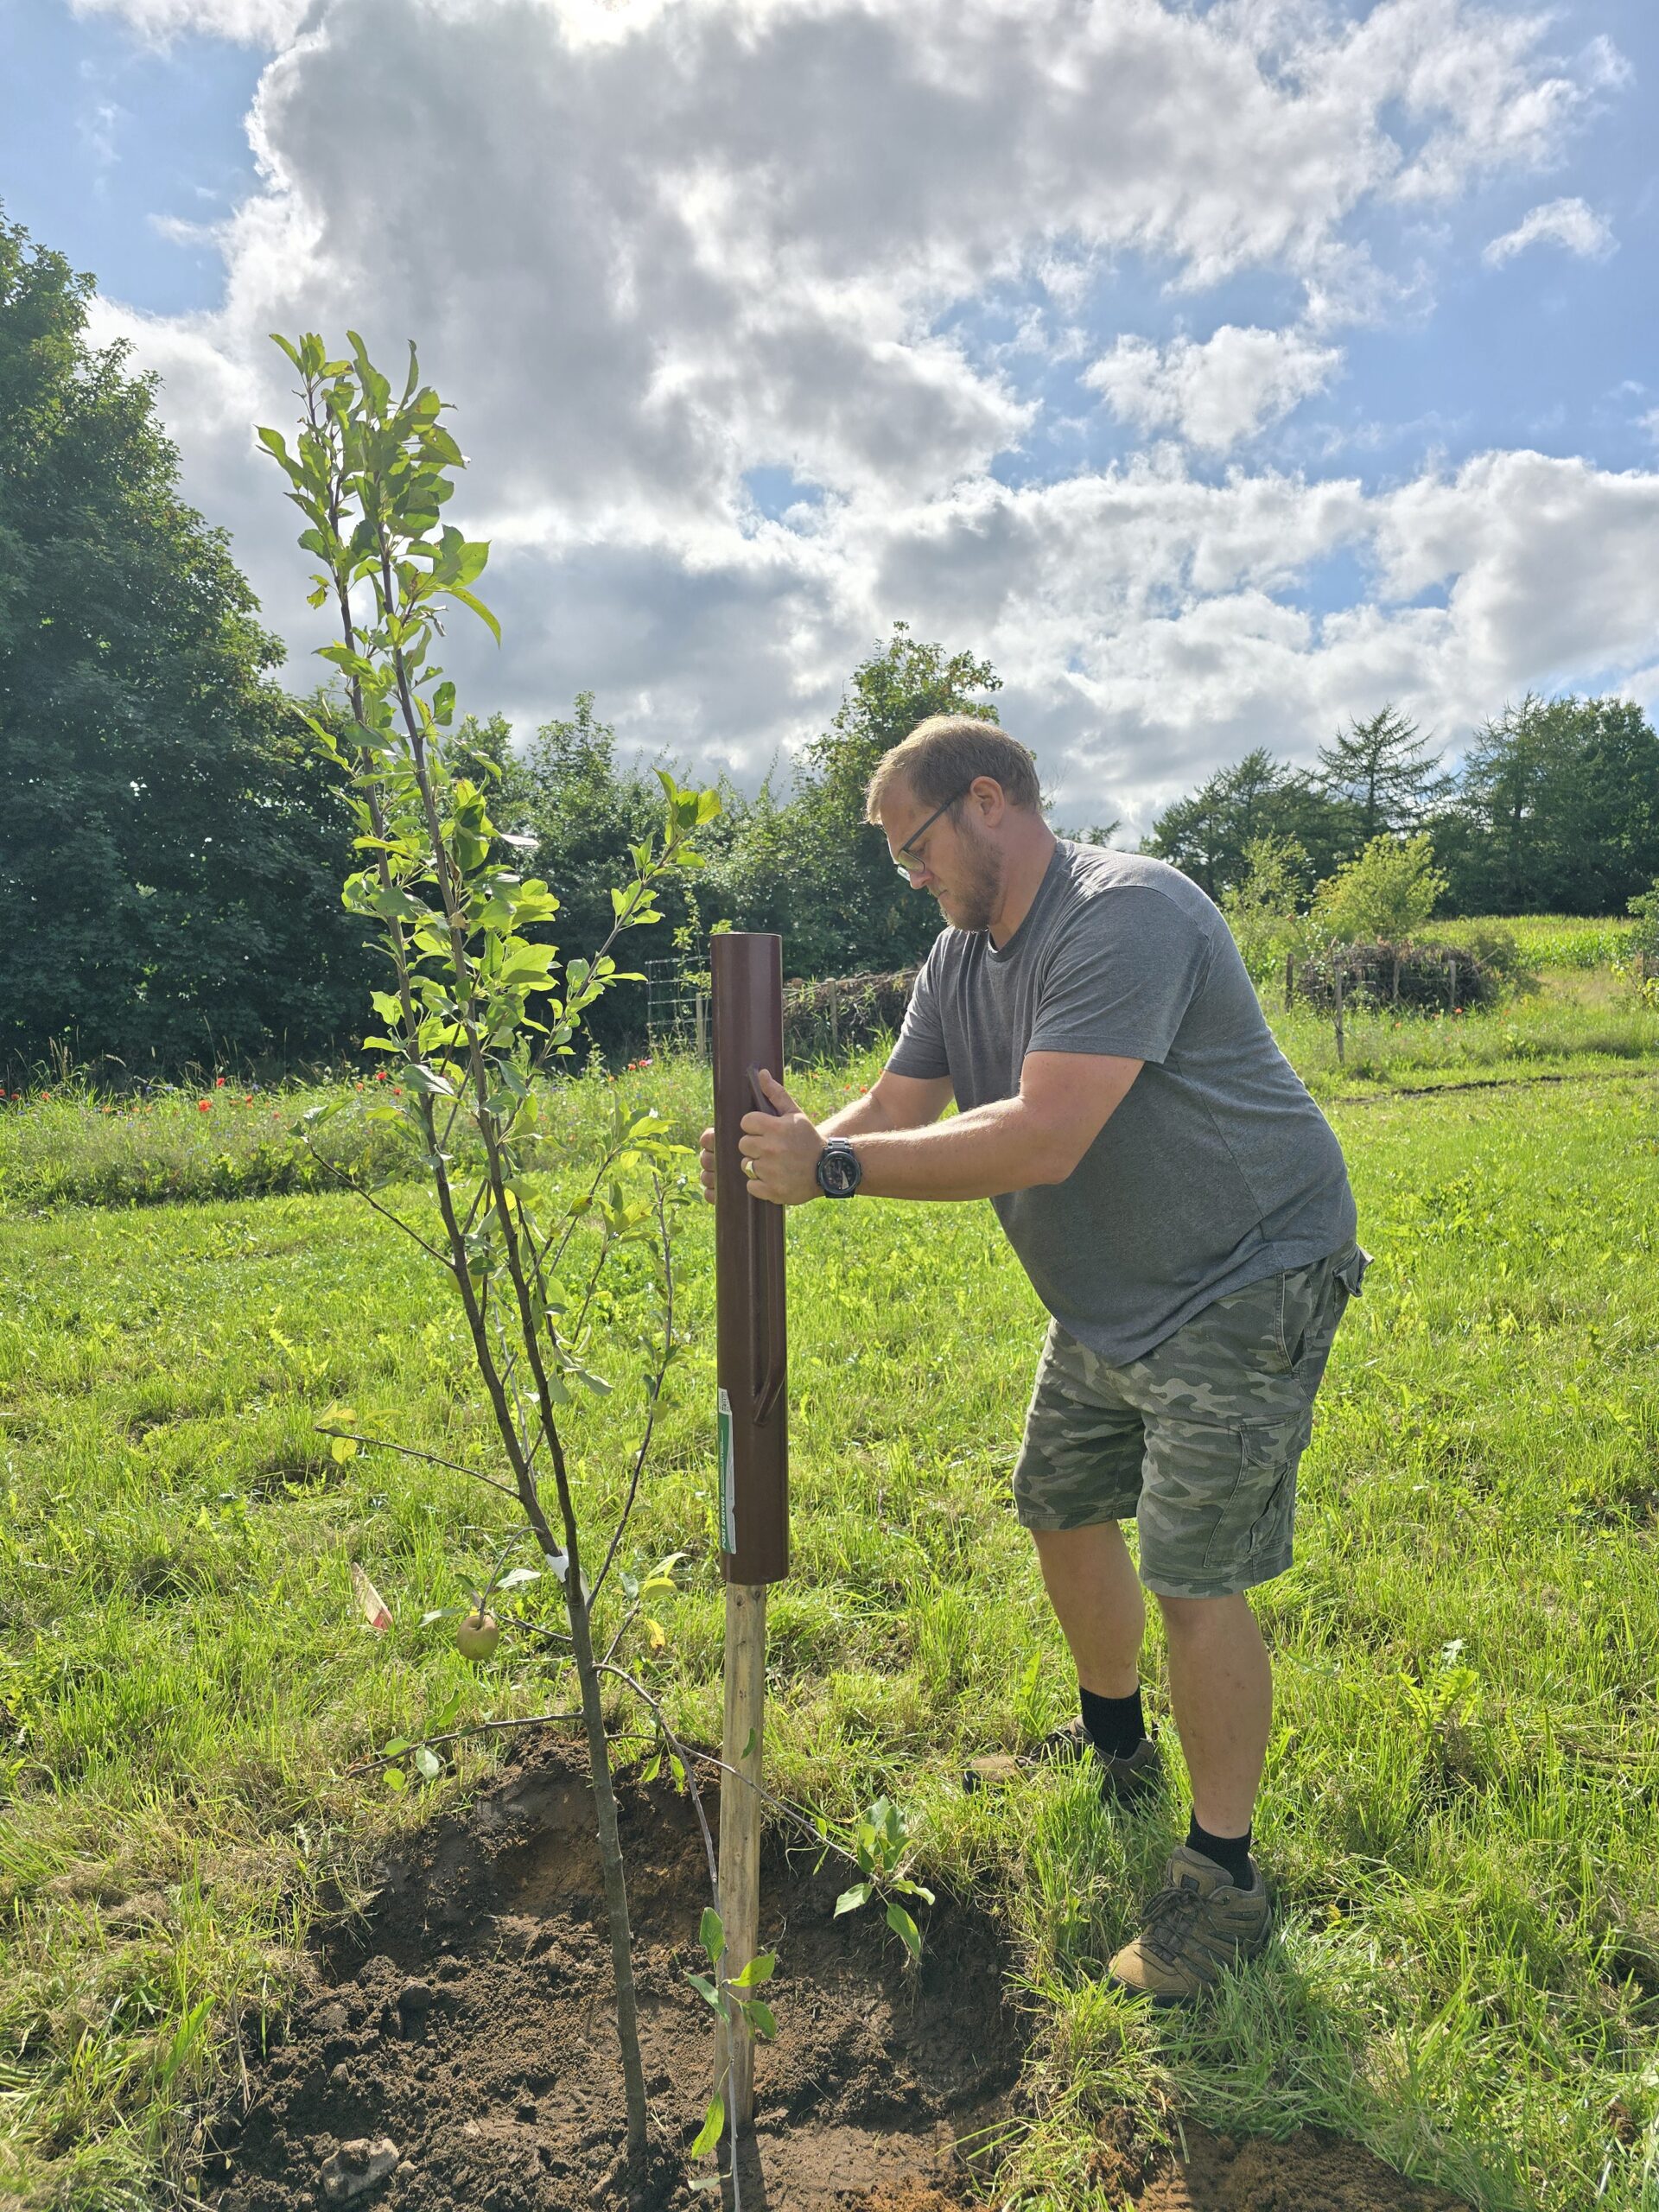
x,y
947,752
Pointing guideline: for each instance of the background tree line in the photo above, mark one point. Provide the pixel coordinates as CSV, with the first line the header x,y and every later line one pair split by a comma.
x,y
171,847
1553,809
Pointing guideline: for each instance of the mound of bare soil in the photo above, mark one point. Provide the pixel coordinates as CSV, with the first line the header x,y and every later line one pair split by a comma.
x,y
470,2023
458,2051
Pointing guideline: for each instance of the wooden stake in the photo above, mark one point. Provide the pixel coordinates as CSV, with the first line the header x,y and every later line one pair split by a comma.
x,y
740,1827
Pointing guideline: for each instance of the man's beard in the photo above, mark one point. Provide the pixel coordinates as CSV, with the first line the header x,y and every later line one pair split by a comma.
x,y
976,900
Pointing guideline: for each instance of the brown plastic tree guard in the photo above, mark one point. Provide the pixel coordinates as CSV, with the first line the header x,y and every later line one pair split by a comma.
x,y
752,1372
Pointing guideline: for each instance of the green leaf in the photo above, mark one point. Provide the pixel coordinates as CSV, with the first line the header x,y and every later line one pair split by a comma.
x,y
429,1762
394,1779
709,1994
711,1934
759,2018
850,1900
477,608
761,1969
901,1924
423,1078
714,2126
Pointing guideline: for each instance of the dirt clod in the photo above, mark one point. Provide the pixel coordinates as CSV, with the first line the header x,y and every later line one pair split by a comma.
x,y
357,2166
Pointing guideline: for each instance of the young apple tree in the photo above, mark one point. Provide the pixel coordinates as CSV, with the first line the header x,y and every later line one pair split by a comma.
x,y
478,1003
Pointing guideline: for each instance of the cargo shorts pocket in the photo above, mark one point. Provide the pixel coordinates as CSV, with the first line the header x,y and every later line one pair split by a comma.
x,y
1218,1505
1315,1300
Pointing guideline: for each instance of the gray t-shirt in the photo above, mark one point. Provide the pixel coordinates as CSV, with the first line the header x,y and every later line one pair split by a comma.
x,y
1217,1169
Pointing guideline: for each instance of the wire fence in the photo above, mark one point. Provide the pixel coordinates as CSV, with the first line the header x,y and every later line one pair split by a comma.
x,y
677,1008
821,1020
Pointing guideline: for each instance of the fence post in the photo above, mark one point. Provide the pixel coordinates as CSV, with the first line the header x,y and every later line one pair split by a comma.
x,y
1341,1054
1290,981
1452,987
700,1020
834,1017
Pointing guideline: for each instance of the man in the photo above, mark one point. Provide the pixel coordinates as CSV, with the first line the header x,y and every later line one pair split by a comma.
x,y
1182,1209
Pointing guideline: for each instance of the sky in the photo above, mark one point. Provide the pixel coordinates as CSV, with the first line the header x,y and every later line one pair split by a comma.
x,y
1218,371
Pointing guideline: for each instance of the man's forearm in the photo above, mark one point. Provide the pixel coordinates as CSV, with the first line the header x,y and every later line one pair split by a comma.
x,y
977,1155
859,1117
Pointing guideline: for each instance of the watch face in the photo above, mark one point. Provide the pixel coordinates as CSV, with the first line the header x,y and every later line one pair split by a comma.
x,y
838,1172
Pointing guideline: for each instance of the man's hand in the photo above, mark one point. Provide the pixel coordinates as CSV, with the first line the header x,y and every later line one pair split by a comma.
x,y
784,1146
894,1102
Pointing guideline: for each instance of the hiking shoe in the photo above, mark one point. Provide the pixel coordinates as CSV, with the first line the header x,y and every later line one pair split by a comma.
x,y
1196,1926
1122,1782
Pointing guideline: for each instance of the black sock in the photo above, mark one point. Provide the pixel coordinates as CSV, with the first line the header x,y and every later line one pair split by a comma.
x,y
1232,1851
1116,1725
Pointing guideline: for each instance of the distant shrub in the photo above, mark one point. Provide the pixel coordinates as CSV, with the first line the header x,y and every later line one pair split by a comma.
x,y
1264,912
1497,949
1386,895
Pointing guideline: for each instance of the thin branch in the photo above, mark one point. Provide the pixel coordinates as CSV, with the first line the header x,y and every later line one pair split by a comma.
x,y
368,1198
656,1400
408,1452
687,1759
480,1728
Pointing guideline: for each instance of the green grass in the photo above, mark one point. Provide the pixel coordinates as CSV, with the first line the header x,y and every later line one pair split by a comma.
x,y
1468,1978
71,1144
1575,1024
1581,941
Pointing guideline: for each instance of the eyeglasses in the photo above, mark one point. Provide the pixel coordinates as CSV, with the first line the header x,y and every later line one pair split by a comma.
x,y
906,867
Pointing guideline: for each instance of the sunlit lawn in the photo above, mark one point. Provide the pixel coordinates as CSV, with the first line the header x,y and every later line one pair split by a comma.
x,y
1460,1817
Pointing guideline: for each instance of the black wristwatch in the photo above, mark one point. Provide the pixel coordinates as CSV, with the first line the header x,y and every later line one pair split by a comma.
x,y
840,1169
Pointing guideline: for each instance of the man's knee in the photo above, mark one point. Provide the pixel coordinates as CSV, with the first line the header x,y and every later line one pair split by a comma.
x,y
1190,1617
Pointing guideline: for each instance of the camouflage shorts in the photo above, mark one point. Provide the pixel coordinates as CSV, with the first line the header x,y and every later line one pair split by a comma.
x,y
1199,1441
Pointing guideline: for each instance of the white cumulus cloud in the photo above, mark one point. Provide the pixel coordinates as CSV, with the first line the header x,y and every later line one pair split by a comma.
x,y
1215,394
1570,223
649,249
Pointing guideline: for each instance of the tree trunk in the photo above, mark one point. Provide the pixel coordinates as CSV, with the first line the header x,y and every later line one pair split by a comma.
x,y
610,1859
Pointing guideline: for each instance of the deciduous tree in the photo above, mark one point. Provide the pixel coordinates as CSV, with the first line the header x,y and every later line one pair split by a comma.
x,y
168,848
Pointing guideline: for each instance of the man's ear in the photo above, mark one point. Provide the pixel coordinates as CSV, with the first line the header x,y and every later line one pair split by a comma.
x,y
990,799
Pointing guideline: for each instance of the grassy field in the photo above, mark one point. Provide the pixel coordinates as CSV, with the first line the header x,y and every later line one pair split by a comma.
x,y
1460,1818
64,1143
1577,941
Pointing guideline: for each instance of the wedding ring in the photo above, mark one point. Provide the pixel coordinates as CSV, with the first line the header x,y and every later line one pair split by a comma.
x,y
748,1168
